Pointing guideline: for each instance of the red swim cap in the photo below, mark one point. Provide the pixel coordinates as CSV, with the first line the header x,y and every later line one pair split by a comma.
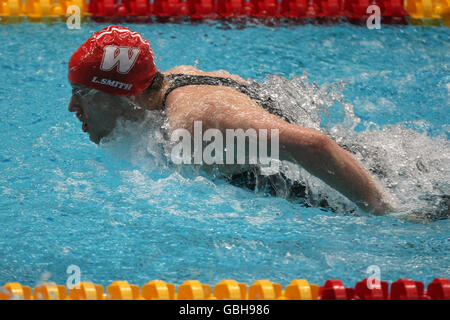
x,y
115,60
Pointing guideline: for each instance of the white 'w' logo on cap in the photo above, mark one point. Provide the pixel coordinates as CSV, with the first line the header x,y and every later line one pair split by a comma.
x,y
119,56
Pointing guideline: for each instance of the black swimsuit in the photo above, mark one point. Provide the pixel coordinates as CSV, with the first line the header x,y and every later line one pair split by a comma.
x,y
253,90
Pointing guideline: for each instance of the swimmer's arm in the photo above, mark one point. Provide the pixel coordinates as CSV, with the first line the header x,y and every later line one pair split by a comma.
x,y
314,151
322,157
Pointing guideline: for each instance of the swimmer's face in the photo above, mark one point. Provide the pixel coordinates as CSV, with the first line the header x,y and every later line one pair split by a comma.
x,y
98,111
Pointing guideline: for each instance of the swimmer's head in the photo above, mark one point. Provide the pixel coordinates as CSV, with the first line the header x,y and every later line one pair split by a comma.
x,y
114,60
113,75
99,111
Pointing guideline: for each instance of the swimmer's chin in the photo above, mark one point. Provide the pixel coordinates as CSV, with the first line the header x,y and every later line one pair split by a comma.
x,y
96,139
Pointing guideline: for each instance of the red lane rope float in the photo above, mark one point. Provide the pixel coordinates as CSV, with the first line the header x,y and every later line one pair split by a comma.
x,y
392,8
329,8
134,8
233,8
170,8
334,290
265,8
407,289
294,8
356,9
102,8
439,289
200,9
376,292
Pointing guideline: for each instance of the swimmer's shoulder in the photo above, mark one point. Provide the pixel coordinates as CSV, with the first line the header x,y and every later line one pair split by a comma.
x,y
185,69
189,103
192,70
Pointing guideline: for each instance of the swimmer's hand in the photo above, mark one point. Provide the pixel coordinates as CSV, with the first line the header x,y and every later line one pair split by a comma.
x,y
384,204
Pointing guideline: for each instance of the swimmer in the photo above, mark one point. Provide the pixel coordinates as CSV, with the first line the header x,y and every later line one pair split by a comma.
x,y
114,71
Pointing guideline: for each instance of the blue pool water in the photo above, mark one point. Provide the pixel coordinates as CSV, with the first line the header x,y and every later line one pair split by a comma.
x,y
119,211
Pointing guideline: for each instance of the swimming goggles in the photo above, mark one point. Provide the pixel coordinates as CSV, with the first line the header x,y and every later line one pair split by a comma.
x,y
81,91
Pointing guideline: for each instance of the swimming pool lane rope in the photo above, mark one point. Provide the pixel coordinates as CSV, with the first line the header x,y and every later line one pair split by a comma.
x,y
390,11
367,289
